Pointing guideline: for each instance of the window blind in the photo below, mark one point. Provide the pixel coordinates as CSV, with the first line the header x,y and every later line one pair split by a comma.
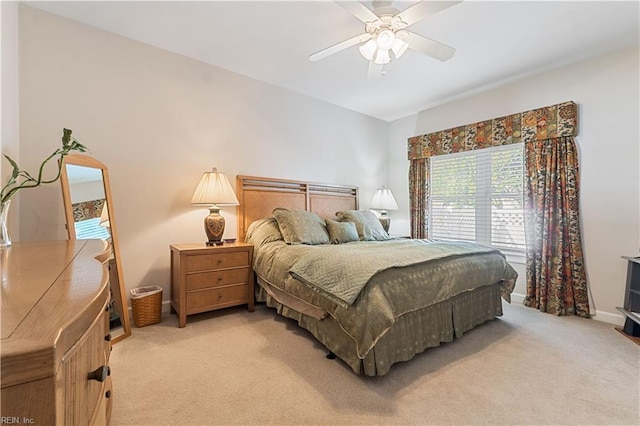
x,y
90,228
478,196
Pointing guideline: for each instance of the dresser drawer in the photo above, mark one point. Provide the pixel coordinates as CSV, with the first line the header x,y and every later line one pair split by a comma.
x,y
204,280
219,296
84,371
206,262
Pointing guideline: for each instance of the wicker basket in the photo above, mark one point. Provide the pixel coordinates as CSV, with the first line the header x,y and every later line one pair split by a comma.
x,y
146,304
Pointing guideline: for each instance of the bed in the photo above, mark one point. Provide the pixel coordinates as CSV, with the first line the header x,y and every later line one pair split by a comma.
x,y
370,299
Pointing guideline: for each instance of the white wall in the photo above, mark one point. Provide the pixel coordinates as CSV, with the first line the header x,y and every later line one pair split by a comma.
x,y
10,121
606,90
86,191
158,120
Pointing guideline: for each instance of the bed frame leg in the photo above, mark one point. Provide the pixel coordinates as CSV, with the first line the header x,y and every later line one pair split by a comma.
x,y
331,355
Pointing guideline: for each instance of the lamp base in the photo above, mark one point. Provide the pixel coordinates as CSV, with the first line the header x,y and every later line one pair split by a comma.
x,y
214,226
385,220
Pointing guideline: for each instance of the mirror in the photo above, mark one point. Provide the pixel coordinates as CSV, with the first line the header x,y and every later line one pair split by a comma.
x,y
89,212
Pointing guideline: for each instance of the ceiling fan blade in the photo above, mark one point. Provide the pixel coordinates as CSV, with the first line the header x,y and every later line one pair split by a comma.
x,y
340,46
374,71
429,47
425,8
358,10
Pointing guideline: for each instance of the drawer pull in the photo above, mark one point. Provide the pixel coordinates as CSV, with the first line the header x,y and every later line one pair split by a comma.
x,y
100,374
108,337
220,260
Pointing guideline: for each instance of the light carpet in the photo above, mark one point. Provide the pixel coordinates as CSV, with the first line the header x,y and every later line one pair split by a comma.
x,y
235,367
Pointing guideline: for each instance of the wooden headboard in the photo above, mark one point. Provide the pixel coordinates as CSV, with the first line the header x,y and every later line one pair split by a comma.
x,y
258,196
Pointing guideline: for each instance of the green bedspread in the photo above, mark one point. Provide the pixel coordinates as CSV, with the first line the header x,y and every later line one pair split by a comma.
x,y
388,285
340,272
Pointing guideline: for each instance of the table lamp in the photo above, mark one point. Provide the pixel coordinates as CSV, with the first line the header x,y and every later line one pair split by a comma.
x,y
383,200
214,191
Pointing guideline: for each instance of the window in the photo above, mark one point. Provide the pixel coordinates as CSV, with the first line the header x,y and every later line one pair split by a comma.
x,y
90,228
477,196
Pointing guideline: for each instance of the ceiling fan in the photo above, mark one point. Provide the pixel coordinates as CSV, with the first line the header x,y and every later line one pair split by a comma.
x,y
385,36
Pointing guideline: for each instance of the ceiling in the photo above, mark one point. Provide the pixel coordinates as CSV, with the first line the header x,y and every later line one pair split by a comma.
x,y
270,41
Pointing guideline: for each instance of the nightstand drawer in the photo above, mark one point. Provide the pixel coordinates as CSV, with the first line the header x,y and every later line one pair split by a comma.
x,y
204,280
206,262
231,295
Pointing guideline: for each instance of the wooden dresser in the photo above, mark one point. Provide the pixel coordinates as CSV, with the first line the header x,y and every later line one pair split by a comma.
x,y
204,278
55,333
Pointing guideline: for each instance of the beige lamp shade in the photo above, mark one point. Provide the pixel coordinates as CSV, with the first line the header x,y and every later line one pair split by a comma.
x,y
383,200
214,188
214,191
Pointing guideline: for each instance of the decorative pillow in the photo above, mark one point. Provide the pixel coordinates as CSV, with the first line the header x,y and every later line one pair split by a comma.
x,y
301,227
341,232
263,231
367,223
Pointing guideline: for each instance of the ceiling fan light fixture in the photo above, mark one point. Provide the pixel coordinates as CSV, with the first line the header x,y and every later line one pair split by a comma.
x,y
397,23
385,39
382,57
399,47
368,49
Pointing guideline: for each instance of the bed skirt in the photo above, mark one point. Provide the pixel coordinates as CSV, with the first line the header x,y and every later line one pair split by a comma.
x,y
410,335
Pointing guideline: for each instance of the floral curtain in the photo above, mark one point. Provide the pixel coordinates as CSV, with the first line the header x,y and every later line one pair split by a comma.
x,y
418,197
87,210
556,280
537,124
556,277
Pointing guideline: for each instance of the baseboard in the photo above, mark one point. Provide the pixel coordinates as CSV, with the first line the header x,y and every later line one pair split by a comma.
x,y
517,298
602,316
608,317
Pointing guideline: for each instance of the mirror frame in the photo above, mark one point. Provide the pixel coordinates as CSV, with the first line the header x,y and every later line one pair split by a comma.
x,y
117,289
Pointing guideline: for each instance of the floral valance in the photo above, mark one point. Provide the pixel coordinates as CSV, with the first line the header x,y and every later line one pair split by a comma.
x,y
87,210
537,124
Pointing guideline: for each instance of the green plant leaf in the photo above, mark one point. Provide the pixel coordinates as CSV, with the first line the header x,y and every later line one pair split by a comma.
x,y
16,169
26,180
66,137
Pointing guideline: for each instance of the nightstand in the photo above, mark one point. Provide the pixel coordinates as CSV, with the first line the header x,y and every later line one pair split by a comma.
x,y
205,278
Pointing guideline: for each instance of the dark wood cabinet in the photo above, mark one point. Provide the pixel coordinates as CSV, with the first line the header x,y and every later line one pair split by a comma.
x,y
631,308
